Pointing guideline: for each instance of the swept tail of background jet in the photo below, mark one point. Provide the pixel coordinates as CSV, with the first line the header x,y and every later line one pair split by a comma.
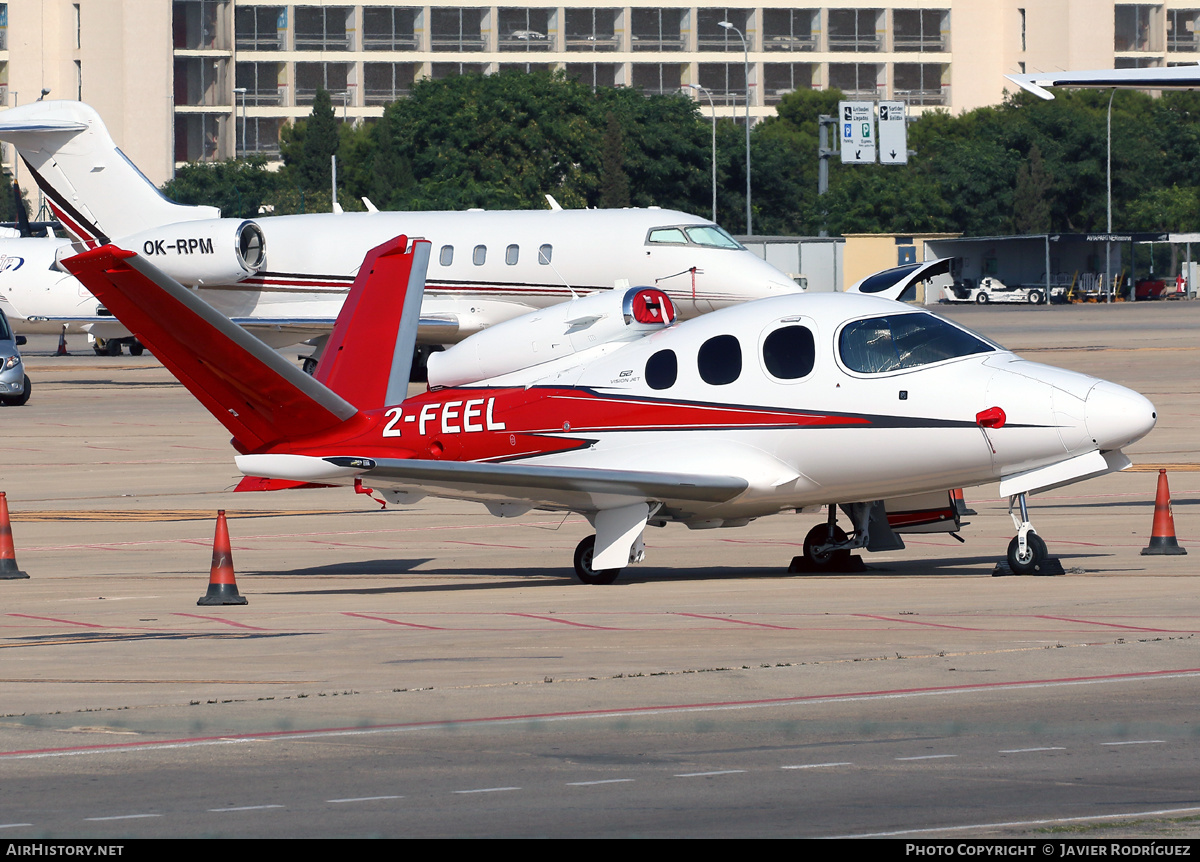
x,y
92,187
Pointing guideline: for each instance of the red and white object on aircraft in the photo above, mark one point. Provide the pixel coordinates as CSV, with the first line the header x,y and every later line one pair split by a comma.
x,y
852,402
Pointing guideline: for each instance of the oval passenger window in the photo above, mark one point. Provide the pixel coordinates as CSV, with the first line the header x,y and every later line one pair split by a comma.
x,y
719,360
789,352
662,369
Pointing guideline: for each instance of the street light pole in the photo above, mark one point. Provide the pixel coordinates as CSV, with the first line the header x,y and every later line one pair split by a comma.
x,y
746,52
241,91
713,107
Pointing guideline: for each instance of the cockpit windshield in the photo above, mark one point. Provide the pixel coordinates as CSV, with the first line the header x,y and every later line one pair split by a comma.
x,y
899,341
707,235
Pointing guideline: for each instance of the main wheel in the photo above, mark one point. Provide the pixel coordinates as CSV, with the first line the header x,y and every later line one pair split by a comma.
x,y
583,564
819,535
136,348
1035,554
982,298
112,347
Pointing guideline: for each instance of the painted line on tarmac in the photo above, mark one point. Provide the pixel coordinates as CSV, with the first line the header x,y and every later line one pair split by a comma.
x,y
394,622
890,619
1123,626
1131,815
662,709
732,620
563,622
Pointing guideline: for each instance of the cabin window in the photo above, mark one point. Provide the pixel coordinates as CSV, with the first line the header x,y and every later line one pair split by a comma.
x,y
545,253
480,255
719,360
447,255
511,254
789,352
662,369
668,235
899,341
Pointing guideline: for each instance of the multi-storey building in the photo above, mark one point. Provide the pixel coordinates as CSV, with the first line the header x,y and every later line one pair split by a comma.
x,y
209,79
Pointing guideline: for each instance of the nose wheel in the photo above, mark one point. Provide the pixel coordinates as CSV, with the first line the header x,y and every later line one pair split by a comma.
x,y
583,564
1027,552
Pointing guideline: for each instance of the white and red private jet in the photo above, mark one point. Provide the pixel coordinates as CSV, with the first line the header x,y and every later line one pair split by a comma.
x,y
607,407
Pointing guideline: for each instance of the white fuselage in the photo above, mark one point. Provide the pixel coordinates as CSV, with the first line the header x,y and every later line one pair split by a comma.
x,y
487,267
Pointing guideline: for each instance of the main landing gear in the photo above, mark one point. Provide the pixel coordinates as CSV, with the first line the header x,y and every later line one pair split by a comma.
x,y
1027,553
583,564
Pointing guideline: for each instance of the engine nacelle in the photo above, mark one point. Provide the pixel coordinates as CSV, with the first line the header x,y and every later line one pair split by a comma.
x,y
212,251
552,333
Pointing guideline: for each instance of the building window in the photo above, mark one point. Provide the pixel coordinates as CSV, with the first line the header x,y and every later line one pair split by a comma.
x,y
387,82
920,29
324,28
1135,28
457,29
790,29
528,68
1181,29
657,29
260,28
200,137
592,30
201,81
779,79
594,74
855,79
194,24
262,135
855,30
726,82
919,83
659,78
389,29
329,76
525,30
711,36
265,83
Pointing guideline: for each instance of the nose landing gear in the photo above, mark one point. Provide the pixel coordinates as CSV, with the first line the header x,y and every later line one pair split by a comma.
x,y
1027,552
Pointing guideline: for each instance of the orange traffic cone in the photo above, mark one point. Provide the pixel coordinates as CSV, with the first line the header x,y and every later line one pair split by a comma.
x,y
222,588
62,342
8,554
1162,534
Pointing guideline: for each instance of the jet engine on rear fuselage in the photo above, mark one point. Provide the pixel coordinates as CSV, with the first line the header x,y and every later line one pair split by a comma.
x,y
551,333
195,253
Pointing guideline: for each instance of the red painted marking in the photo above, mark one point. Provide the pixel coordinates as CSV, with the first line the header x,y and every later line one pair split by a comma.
x,y
486,544
585,713
1097,623
222,620
918,623
64,622
565,622
393,622
739,622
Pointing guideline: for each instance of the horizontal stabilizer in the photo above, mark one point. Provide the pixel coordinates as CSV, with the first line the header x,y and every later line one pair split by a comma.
x,y
251,390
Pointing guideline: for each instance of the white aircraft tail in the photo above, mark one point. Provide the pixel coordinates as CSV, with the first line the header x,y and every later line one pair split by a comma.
x,y
92,187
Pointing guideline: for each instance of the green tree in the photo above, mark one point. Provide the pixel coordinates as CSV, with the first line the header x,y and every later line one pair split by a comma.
x,y
238,187
308,148
1031,208
614,190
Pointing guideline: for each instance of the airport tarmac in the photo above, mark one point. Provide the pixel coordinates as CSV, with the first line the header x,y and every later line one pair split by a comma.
x,y
433,671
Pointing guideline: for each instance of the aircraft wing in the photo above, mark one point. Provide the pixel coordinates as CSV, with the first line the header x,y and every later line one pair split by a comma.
x,y
1170,78
580,489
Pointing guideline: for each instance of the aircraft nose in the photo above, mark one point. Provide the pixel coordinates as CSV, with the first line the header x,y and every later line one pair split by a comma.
x,y
1117,416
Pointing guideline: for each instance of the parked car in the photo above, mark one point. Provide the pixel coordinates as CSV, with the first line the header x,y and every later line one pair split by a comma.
x,y
14,382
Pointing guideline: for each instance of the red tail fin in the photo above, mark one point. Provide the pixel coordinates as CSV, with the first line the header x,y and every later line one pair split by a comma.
x,y
251,390
376,324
